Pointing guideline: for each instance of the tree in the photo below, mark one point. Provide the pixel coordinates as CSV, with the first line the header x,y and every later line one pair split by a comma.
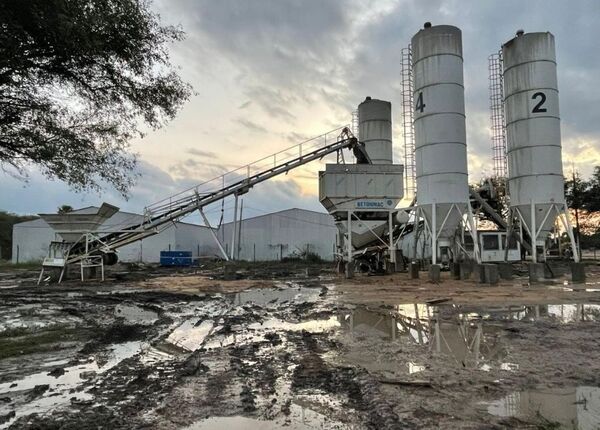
x,y
78,80
575,192
64,209
592,195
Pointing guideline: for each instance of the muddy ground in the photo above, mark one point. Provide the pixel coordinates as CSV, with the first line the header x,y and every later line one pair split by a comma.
x,y
288,346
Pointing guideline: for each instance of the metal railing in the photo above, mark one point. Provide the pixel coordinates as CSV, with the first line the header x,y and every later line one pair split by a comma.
x,y
232,177
235,182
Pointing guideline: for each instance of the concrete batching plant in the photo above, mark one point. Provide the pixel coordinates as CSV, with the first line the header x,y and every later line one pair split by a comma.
x,y
362,197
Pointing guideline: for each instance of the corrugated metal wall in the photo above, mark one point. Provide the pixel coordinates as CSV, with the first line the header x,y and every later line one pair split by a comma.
x,y
284,234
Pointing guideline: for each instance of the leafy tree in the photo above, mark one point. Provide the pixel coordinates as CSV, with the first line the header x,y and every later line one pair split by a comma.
x,y
64,209
78,80
575,192
592,195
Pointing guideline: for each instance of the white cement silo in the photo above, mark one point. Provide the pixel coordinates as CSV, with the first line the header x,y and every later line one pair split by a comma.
x,y
375,129
440,136
535,180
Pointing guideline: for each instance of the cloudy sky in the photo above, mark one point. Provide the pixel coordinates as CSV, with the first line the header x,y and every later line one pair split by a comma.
x,y
271,73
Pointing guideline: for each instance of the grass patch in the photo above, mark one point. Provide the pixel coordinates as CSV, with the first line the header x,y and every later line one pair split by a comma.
x,y
25,265
21,341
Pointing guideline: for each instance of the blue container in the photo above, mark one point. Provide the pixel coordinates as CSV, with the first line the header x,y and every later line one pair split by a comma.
x,y
176,258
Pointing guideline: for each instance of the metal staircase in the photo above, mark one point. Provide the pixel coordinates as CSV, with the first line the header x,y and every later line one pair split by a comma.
x,y
237,182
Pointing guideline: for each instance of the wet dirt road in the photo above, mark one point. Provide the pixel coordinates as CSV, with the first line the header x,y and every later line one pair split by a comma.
x,y
287,350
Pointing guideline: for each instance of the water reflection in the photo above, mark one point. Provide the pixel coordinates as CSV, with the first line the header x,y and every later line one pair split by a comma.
x,y
467,334
299,418
267,296
573,407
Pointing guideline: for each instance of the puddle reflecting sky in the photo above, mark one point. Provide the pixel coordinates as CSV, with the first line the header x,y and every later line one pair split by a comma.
x,y
572,407
135,314
300,418
265,296
466,334
58,393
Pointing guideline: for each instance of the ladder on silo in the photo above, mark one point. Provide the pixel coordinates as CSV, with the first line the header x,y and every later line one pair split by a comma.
x,y
160,215
497,122
408,128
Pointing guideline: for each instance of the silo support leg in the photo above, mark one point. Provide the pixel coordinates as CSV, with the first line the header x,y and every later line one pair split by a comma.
x,y
391,237
349,267
533,234
509,234
473,231
523,225
564,217
434,234
417,224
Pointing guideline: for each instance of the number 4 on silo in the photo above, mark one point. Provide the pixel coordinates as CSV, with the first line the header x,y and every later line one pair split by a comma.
x,y
420,106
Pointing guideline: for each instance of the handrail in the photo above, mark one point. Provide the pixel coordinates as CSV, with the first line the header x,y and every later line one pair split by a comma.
x,y
297,149
157,216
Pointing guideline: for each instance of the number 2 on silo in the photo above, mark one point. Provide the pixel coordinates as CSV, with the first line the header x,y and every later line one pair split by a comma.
x,y
538,107
420,105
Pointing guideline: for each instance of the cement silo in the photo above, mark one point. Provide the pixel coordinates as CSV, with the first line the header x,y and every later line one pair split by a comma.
x,y
375,129
535,175
440,136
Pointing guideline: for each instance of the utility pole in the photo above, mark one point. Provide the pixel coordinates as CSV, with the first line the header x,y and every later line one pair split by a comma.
x,y
577,202
239,241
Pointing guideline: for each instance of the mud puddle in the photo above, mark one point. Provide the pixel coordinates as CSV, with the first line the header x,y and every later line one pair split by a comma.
x,y
298,418
283,294
60,387
470,337
570,408
297,355
135,314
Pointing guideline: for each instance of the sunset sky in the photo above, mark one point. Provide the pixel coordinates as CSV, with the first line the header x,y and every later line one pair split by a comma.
x,y
271,73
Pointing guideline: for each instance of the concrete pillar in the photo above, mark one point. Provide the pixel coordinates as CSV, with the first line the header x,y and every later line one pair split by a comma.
x,y
490,273
455,270
414,270
229,271
537,272
577,272
349,270
399,262
479,273
505,270
435,272
465,268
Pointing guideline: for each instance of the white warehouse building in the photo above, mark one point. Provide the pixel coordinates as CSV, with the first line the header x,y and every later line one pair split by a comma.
x,y
32,238
287,233
266,237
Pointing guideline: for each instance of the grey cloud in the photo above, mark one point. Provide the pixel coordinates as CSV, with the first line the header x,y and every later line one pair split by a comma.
x,y
294,137
201,153
291,53
283,39
273,102
250,125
